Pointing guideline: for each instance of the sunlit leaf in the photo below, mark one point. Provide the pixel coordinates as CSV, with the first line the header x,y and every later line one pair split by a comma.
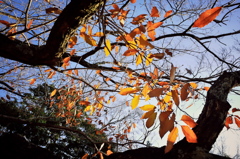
x,y
88,39
72,41
206,17
168,13
193,85
175,97
98,34
126,91
166,124
151,29
156,92
147,107
51,74
171,139
184,91
109,152
154,12
148,59
189,134
107,48
130,52
150,120
139,59
133,1
139,19
66,59
29,24
189,121
145,90
206,88
143,43
167,97
32,81
53,93
135,101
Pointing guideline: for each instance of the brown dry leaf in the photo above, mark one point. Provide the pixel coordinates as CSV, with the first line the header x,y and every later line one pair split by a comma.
x,y
148,114
150,120
172,73
175,97
130,52
166,124
53,10
184,91
156,92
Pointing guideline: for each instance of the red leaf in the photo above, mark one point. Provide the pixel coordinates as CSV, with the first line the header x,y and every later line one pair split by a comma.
x,y
235,110
206,17
168,13
154,12
228,121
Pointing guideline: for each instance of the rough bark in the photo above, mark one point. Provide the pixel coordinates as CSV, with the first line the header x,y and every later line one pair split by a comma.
x,y
210,123
75,14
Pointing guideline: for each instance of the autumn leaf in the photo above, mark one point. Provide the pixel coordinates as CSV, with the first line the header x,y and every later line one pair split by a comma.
x,y
148,114
184,92
53,93
168,13
135,101
167,97
175,97
145,91
166,124
32,81
168,52
139,59
98,34
172,73
126,91
189,121
189,134
88,39
171,139
228,121
206,88
156,92
150,120
158,55
72,41
148,59
109,152
29,24
53,10
133,1
235,110
107,48
206,17
139,19
143,43
154,12
147,107
237,121
130,52
193,85
66,59
151,29
85,156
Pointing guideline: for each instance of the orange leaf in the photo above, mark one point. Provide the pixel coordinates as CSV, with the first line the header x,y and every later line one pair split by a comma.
x,y
83,102
98,34
168,13
127,91
156,92
228,121
175,97
171,139
5,22
163,83
184,91
109,152
166,124
29,24
154,12
72,41
206,17
53,93
66,59
135,101
51,74
72,52
53,10
32,81
139,19
172,73
237,121
85,156
130,52
189,121
189,133
133,1
150,120
206,88
151,29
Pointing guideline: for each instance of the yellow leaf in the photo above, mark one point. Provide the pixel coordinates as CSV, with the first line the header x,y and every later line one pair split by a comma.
x,y
206,17
148,59
98,34
175,97
129,90
88,39
146,89
139,59
189,121
53,93
147,107
167,97
107,48
189,134
171,139
135,101
150,120
193,85
132,44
